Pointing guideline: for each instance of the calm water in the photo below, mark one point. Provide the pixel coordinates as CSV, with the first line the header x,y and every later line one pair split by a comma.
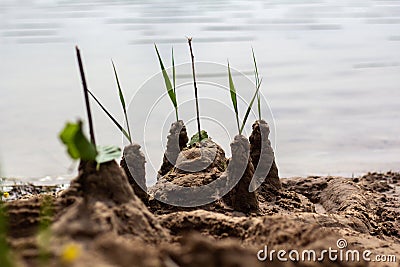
x,y
331,77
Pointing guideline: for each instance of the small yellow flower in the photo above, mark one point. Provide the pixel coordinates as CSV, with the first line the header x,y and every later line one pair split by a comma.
x,y
70,253
6,194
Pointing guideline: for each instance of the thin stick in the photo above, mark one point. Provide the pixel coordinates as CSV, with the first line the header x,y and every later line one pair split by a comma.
x,y
195,88
85,93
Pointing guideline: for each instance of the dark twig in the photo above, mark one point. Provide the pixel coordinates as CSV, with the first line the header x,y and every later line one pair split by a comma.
x,y
195,88
85,93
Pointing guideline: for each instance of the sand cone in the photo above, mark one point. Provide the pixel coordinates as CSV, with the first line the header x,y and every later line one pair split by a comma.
x,y
263,158
177,140
133,162
240,198
101,201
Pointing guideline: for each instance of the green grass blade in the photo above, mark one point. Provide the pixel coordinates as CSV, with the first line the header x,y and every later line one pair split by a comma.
x,y
255,67
111,117
233,96
167,81
257,79
173,71
122,100
259,106
249,108
174,81
121,95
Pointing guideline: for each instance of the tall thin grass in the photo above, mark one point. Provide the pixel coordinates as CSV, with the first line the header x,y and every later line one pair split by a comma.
x,y
170,89
234,100
232,90
123,104
116,123
258,83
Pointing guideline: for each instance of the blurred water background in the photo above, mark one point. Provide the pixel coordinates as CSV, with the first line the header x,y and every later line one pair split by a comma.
x,y
331,77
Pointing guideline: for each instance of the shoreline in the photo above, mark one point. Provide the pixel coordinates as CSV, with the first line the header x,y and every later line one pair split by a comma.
x,y
54,180
32,188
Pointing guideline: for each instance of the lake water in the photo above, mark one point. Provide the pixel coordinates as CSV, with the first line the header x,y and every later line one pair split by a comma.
x,y
331,78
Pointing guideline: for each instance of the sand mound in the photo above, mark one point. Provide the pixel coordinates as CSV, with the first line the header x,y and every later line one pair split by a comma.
x,y
191,181
104,202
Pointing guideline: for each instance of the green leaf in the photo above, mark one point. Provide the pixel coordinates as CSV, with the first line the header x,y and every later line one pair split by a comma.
x,y
167,81
257,79
107,153
249,108
173,71
174,82
195,138
122,100
77,144
111,117
121,95
233,95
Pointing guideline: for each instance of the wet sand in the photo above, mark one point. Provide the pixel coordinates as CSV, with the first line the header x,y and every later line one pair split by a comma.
x,y
111,226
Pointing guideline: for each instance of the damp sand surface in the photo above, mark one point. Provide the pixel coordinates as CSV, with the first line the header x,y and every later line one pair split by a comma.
x,y
308,213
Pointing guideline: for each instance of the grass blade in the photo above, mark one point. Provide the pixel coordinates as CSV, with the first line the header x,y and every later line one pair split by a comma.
x,y
255,68
249,108
173,71
122,100
233,96
111,117
259,106
257,79
174,81
167,81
